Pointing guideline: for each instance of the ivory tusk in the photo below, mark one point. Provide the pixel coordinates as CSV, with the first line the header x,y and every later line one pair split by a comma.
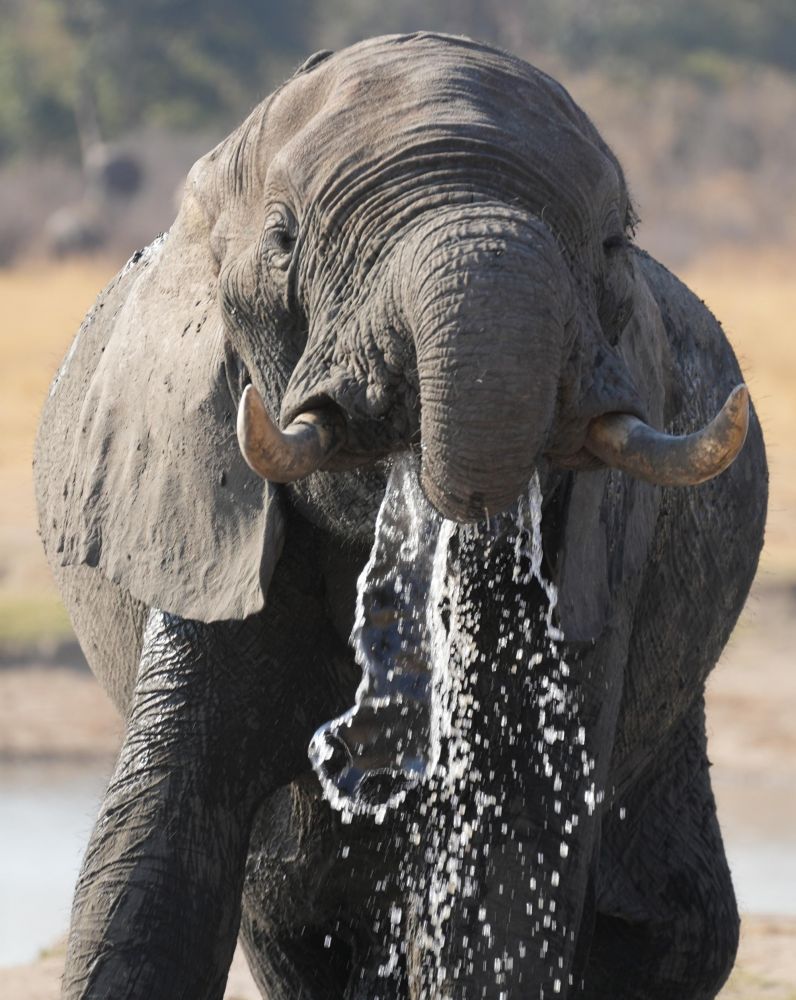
x,y
283,456
624,442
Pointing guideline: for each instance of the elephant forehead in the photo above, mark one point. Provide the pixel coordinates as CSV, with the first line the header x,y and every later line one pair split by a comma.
x,y
389,96
420,105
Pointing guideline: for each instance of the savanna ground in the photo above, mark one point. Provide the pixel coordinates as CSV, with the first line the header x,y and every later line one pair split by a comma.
x,y
51,712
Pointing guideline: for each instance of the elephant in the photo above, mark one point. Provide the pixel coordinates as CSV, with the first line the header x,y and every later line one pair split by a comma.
x,y
112,176
420,249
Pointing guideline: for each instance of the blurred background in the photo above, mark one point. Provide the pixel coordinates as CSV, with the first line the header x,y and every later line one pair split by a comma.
x,y
104,106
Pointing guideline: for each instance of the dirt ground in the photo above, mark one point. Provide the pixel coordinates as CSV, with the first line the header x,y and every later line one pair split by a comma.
x,y
41,980
766,968
61,714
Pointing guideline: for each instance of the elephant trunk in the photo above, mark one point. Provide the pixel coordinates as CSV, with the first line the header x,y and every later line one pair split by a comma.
x,y
486,313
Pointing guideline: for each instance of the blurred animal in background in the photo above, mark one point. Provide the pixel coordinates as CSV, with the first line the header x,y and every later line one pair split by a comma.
x,y
112,176
416,244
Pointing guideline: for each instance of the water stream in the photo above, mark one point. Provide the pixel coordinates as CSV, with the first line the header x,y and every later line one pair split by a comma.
x,y
472,616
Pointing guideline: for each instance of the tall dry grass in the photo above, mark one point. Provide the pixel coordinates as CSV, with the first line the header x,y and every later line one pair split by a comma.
x,y
42,305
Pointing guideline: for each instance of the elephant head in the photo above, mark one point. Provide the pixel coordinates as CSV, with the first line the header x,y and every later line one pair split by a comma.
x,y
456,207
418,242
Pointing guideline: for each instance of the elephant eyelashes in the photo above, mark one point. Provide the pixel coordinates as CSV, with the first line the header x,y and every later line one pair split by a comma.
x,y
279,238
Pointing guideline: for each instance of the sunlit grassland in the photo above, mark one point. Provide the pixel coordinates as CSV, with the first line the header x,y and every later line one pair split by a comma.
x,y
41,307
34,618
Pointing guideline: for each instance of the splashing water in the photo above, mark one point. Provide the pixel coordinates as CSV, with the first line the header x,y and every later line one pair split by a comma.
x,y
391,640
465,698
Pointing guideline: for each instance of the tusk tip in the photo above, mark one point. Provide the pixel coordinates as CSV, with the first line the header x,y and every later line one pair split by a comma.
x,y
251,416
737,406
735,416
251,401
252,426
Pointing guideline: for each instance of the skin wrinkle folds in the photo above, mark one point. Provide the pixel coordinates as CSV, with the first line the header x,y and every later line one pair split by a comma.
x,y
427,238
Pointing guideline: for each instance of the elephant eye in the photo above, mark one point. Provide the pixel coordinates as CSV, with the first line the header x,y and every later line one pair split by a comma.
x,y
279,237
615,242
615,299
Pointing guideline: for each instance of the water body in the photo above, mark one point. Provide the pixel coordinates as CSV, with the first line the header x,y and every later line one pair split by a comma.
x,y
758,820
47,811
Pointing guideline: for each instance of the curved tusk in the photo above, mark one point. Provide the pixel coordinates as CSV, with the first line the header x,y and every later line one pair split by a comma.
x,y
283,456
624,442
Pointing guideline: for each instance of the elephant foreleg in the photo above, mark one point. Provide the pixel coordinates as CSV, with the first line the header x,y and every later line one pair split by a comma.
x,y
157,906
667,921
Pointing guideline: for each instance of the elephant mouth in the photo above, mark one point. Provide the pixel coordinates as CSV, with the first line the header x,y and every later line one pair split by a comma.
x,y
317,438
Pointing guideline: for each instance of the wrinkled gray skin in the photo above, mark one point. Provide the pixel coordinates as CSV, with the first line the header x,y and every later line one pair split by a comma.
x,y
431,236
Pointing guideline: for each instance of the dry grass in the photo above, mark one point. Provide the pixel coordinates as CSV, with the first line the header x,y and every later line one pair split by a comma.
x,y
42,307
43,304
56,713
766,965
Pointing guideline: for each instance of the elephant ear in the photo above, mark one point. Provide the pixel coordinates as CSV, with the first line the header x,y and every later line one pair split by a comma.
x,y
138,468
609,519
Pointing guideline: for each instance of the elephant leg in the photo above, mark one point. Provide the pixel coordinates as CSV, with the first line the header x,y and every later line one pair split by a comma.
x,y
157,906
667,922
317,898
283,928
219,715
